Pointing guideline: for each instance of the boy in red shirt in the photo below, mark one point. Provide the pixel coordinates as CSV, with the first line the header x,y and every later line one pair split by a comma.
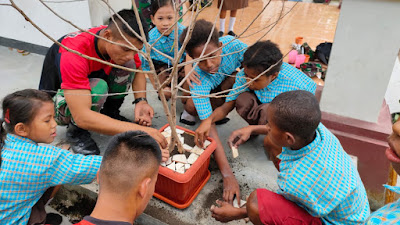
x,y
75,78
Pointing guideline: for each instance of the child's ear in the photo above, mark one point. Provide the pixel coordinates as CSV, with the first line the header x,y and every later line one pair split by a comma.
x,y
107,34
97,176
290,138
21,129
152,18
220,45
144,186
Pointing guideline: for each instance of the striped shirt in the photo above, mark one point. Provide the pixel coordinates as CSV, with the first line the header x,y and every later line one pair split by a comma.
x,y
288,79
164,45
388,214
229,64
322,179
28,170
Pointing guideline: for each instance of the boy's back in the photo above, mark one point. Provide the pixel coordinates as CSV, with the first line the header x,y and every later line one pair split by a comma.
x,y
321,178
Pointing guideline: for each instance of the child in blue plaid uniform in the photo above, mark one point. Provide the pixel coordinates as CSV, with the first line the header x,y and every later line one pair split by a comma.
x,y
251,101
28,170
213,75
318,182
162,36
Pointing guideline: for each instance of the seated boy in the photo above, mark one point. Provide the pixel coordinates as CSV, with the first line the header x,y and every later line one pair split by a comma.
x,y
318,183
215,75
390,214
252,101
75,78
127,178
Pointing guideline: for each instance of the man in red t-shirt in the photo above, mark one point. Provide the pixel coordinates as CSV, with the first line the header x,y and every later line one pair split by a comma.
x,y
81,84
127,179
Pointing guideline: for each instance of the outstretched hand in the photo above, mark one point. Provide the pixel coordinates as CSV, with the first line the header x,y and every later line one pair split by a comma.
x,y
193,77
143,113
231,189
239,136
225,212
202,133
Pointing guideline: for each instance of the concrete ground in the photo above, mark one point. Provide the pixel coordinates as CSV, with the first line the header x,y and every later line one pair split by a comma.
x,y
252,168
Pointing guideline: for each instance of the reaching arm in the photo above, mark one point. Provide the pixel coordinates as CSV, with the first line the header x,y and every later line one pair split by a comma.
x,y
241,135
219,113
144,113
79,103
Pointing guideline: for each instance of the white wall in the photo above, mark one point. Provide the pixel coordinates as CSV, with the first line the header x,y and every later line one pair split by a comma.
x,y
366,44
85,14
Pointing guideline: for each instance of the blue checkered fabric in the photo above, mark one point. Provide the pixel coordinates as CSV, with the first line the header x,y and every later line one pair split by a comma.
x,y
28,170
322,179
288,79
388,214
165,45
229,64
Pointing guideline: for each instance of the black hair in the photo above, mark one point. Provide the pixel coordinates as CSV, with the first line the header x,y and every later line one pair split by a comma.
x,y
20,107
131,149
262,55
157,4
201,32
129,16
296,112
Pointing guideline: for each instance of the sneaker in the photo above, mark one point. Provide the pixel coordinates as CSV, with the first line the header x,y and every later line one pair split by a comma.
x,y
111,109
223,121
232,34
221,33
187,122
81,141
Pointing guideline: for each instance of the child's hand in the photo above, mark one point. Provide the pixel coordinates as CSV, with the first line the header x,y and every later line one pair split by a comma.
x,y
239,136
164,154
226,212
193,77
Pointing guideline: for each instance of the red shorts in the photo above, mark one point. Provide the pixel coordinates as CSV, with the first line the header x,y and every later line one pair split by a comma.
x,y
276,209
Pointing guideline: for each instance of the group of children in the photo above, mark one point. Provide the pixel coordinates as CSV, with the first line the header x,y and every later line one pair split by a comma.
x,y
318,183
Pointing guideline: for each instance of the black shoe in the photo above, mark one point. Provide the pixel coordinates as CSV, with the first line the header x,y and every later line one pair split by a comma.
x,y
223,121
53,219
221,33
111,109
232,34
81,141
187,122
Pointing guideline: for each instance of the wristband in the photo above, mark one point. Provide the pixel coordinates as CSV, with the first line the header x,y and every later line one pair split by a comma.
x,y
139,100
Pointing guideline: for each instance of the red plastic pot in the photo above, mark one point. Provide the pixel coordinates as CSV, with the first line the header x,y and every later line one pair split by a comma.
x,y
179,190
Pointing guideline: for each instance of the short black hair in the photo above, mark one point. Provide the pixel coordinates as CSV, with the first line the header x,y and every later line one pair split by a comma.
x,y
296,112
156,4
201,32
261,56
129,16
128,157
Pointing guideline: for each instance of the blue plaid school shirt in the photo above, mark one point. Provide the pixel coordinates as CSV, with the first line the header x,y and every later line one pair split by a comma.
x,y
229,64
388,214
164,45
28,170
322,179
288,79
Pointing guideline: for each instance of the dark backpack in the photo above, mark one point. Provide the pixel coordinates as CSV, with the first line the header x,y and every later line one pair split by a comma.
x,y
323,51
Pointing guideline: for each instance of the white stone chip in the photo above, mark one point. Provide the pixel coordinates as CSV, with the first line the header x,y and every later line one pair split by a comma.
x,y
166,134
187,147
182,140
179,131
179,158
197,150
179,165
169,161
163,164
181,170
187,166
171,166
192,158
206,143
235,204
235,152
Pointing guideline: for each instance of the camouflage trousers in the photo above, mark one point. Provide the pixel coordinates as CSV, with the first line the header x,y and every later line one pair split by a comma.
x,y
119,81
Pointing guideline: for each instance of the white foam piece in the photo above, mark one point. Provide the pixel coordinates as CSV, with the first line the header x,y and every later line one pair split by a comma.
x,y
179,131
179,165
163,164
235,152
235,204
206,143
182,140
169,161
166,134
181,170
197,150
179,158
187,147
171,166
192,158
187,166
